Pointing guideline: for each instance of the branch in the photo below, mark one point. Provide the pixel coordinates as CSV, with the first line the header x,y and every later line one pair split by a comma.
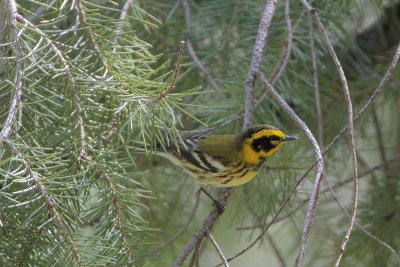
x,y
283,62
176,73
75,98
122,17
205,228
254,68
365,231
86,27
218,249
316,82
258,52
5,132
192,52
319,160
336,185
350,126
179,233
117,213
51,204
276,250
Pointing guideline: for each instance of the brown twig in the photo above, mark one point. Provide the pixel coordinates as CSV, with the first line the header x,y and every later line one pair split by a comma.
x,y
183,228
117,213
5,132
218,249
254,67
51,204
175,76
258,52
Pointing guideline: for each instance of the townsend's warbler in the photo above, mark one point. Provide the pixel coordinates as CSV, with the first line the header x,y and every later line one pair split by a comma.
x,y
227,160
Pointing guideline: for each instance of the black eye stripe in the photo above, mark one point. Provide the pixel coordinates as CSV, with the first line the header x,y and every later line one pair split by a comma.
x,y
274,138
264,143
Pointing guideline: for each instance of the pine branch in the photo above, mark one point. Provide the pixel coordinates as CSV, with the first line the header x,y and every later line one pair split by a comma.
x,y
5,132
51,204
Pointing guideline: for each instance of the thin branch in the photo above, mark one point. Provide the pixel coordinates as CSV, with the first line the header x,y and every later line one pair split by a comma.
x,y
218,249
346,92
117,213
5,132
122,17
379,138
205,228
258,52
365,231
362,111
316,82
72,88
176,73
372,98
254,67
195,260
317,180
93,44
275,75
192,52
320,164
276,250
183,228
283,62
51,204
274,218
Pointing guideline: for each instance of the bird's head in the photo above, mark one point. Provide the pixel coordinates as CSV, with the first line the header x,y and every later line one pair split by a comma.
x,y
261,141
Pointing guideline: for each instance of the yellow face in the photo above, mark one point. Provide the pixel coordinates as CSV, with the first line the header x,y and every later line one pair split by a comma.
x,y
262,145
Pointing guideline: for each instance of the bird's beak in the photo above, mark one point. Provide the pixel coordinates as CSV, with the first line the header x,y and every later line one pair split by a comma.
x,y
289,138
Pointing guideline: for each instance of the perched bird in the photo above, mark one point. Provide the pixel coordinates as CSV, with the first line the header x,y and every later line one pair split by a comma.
x,y
227,160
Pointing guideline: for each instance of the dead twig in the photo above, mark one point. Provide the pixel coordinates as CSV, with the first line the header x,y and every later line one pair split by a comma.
x,y
175,76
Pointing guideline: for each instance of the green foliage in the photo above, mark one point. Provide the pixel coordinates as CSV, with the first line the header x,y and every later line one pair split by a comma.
x,y
74,190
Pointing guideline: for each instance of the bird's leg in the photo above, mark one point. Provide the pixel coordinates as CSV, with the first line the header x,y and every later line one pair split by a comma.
x,y
220,207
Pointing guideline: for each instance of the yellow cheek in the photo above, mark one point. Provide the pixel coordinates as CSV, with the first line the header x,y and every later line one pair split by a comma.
x,y
249,155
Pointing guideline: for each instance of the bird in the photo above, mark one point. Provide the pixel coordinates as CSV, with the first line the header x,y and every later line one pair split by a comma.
x,y
226,160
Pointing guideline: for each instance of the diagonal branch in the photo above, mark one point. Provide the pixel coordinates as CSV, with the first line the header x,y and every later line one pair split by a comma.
x,y
51,204
5,132
205,228
192,52
254,68
299,260
92,41
218,249
179,233
72,88
309,220
258,52
117,213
